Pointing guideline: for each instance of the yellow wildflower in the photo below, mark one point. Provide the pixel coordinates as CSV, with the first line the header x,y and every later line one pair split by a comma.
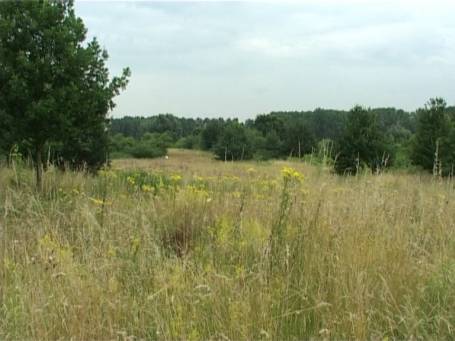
x,y
111,251
291,173
236,194
107,174
259,197
200,192
240,271
305,191
135,244
96,201
146,188
176,178
8,264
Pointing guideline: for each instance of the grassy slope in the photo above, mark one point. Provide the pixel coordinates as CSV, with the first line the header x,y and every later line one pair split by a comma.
x,y
186,254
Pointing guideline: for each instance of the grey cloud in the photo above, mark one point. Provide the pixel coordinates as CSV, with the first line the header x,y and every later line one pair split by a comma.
x,y
243,58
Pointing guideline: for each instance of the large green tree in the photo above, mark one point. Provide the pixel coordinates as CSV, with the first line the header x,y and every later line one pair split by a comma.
x,y
447,152
362,143
54,87
234,143
433,127
211,133
298,139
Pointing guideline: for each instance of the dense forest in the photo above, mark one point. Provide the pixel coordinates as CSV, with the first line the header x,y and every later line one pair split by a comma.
x,y
374,138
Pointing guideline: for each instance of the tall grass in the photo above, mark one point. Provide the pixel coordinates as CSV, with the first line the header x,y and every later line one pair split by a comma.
x,y
208,250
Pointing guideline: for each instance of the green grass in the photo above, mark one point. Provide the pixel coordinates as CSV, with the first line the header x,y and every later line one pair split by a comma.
x,y
191,248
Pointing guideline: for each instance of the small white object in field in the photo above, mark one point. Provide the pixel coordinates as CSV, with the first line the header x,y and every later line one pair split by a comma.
x,y
166,157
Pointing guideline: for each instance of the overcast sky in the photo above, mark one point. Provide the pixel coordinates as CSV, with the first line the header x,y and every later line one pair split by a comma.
x,y
212,59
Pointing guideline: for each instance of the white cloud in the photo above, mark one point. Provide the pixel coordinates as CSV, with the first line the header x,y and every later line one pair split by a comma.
x,y
247,57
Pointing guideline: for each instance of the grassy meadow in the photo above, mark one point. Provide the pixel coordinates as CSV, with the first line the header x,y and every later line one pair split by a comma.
x,y
192,248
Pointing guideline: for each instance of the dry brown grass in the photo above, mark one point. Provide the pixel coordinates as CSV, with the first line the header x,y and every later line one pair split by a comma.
x,y
159,257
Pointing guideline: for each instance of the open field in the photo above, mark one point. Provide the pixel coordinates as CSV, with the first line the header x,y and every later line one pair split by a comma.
x,y
191,248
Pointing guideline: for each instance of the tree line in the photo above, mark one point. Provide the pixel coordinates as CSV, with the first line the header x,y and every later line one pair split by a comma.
x,y
361,137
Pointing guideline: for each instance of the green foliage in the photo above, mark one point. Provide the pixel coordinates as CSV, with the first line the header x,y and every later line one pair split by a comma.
x,y
298,139
270,146
432,129
322,155
211,133
362,144
448,150
323,123
151,145
270,136
87,149
119,144
139,180
189,142
176,127
55,88
268,123
401,156
234,143
393,121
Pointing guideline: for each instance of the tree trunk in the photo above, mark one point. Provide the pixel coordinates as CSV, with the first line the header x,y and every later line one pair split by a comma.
x,y
299,150
39,167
